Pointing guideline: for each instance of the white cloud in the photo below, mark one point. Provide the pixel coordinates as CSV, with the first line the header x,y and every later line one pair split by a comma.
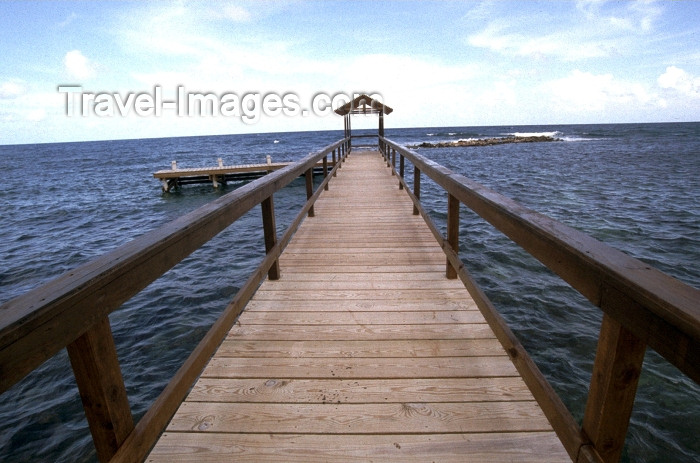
x,y
68,21
12,89
566,45
679,80
584,91
596,29
36,115
78,66
236,13
637,16
501,93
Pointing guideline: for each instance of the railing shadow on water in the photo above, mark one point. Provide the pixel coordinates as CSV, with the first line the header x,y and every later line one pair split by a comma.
x,y
642,307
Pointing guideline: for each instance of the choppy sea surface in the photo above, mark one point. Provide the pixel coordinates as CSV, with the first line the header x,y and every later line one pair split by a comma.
x,y
635,187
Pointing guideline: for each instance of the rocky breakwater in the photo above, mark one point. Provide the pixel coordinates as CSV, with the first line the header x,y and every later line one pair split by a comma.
x,y
486,141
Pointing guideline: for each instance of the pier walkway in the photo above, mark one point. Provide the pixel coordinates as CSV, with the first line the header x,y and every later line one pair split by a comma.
x,y
368,347
362,351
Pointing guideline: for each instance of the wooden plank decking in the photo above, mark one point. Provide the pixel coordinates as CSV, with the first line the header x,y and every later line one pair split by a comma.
x,y
219,174
362,351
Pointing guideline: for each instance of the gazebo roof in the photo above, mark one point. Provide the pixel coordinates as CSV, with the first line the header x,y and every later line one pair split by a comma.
x,y
363,104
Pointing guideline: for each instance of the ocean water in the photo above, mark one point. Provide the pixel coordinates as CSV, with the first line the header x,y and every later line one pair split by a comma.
x,y
632,186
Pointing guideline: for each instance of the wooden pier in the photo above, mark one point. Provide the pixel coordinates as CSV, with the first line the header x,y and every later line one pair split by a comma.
x,y
218,175
361,336
362,351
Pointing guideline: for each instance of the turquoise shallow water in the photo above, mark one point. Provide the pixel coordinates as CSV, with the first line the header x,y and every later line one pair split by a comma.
x,y
632,186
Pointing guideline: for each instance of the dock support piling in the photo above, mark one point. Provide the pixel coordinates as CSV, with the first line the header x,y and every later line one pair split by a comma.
x,y
452,232
416,187
310,188
325,171
270,231
616,370
93,357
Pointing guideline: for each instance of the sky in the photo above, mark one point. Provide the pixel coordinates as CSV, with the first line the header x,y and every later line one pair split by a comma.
x,y
72,71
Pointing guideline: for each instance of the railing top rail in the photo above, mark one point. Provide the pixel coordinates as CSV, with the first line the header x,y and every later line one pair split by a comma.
x,y
36,325
666,311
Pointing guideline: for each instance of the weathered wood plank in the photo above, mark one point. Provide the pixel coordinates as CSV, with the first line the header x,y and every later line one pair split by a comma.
x,y
373,268
301,244
362,333
360,418
369,391
304,275
362,318
356,349
377,284
360,305
339,250
353,257
441,367
400,294
522,447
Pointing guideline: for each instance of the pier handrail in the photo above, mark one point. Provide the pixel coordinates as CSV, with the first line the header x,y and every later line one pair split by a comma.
x,y
641,305
72,310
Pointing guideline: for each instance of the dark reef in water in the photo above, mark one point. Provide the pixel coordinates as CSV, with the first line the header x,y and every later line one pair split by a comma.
x,y
485,142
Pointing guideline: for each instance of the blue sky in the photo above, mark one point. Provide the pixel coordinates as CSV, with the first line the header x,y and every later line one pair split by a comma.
x,y
436,63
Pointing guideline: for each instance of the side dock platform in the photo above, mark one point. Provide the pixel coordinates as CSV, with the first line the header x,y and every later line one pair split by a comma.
x,y
221,174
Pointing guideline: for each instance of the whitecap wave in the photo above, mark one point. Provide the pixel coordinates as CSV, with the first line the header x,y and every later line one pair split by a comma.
x,y
578,139
554,134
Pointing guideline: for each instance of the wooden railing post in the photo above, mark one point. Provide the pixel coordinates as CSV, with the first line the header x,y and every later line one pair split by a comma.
x,y
93,357
452,232
416,186
393,161
618,363
335,172
310,188
270,231
401,169
325,170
